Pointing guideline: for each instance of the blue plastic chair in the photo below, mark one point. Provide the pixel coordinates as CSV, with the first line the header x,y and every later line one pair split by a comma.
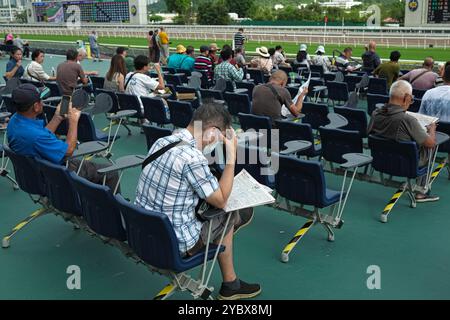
x,y
378,86
357,120
99,208
338,142
237,103
181,113
419,93
337,91
130,102
256,162
444,127
152,134
291,131
115,100
87,131
173,79
211,94
257,75
155,110
373,100
97,82
315,114
195,103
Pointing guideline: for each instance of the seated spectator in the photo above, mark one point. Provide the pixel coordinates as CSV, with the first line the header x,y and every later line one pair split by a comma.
x,y
239,57
423,78
303,59
392,122
34,71
263,61
269,98
278,57
213,49
82,54
441,71
115,77
371,60
321,60
181,60
174,183
436,102
29,137
9,39
343,61
138,83
14,68
228,47
68,73
129,61
226,70
389,70
203,62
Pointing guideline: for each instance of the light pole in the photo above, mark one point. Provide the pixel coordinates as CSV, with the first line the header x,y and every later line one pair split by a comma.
x,y
10,11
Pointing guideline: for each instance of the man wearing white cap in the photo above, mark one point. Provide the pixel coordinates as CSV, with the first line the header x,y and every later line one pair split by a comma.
x,y
321,60
263,61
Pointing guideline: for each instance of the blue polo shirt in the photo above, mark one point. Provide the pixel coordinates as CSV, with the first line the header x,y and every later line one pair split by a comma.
x,y
29,137
181,61
11,64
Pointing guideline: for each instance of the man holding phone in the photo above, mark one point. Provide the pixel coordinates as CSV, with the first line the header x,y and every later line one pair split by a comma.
x,y
27,135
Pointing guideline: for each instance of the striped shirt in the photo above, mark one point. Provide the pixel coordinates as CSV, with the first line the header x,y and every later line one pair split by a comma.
x,y
174,183
203,63
239,40
227,71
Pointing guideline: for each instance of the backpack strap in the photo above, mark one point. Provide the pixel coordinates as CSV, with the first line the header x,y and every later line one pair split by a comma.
x,y
160,152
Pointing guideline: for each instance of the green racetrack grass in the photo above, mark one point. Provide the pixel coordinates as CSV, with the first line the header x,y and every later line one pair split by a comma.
x,y
439,54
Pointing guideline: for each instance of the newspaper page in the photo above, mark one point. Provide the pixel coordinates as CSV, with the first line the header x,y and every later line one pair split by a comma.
x,y
284,110
247,193
424,120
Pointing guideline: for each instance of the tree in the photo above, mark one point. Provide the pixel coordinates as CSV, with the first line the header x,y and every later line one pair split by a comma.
x,y
213,13
21,17
155,18
182,7
242,7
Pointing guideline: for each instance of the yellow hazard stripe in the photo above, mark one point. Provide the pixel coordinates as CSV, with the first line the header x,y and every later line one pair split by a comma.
x,y
164,292
393,201
25,222
298,236
438,170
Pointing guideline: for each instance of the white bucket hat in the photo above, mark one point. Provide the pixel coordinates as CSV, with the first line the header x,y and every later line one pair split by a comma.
x,y
263,52
303,47
320,49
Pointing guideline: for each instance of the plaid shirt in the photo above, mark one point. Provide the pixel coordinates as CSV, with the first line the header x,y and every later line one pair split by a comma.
x,y
173,185
227,71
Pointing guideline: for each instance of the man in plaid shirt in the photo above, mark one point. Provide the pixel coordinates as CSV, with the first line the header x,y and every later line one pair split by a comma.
x,y
226,70
174,183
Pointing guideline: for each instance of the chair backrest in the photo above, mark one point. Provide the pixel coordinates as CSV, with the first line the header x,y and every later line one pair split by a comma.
x,y
103,104
49,112
255,161
99,208
444,127
251,121
337,91
338,142
169,69
155,110
27,173
86,128
246,85
237,103
195,103
352,101
339,77
257,75
59,188
352,81
195,82
188,73
291,131
173,79
129,102
306,176
357,119
373,100
11,84
415,107
315,114
364,83
378,86
211,94
314,83
151,236
181,113
115,100
419,93
97,82
317,69
54,89
221,85
9,103
399,159
80,99
152,134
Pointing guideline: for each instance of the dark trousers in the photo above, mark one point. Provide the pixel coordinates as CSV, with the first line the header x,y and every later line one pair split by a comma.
x,y
89,172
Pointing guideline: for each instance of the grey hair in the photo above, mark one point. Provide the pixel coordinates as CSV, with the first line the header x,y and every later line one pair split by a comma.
x,y
400,88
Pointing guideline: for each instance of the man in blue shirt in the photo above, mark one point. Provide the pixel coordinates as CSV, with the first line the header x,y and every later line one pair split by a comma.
x,y
27,135
182,59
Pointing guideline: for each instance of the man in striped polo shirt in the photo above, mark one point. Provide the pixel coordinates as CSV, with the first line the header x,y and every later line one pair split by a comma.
x,y
239,40
204,63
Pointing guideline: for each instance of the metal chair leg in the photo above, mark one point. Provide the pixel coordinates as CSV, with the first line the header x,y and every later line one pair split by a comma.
x,y
298,236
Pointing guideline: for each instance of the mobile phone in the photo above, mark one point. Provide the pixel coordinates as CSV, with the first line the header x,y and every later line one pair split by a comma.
x,y
65,102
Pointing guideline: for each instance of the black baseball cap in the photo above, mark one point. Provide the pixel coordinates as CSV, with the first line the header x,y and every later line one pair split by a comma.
x,y
27,94
204,48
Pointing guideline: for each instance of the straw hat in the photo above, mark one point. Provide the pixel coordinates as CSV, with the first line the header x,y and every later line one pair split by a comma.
x,y
213,47
181,48
263,52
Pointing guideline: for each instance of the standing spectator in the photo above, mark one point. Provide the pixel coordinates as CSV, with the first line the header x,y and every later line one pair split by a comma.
x,y
181,60
203,62
150,45
156,52
138,83
164,45
93,43
115,77
213,48
371,60
82,54
263,62
239,58
226,70
68,73
239,40
278,57
392,122
14,68
129,61
22,45
436,102
303,58
34,71
321,60
389,70
423,78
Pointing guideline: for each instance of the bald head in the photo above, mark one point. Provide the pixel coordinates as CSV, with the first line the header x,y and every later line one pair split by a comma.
x,y
428,63
279,77
372,46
